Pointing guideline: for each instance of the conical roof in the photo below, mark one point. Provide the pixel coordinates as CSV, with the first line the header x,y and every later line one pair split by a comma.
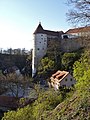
x,y
39,29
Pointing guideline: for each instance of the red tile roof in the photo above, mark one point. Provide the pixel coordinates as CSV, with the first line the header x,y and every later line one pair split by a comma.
x,y
58,72
77,30
60,75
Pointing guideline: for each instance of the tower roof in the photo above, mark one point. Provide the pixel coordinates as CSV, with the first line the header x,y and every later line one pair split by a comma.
x,y
39,29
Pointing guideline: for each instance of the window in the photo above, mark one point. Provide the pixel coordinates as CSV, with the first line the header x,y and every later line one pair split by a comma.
x,y
39,42
41,35
44,39
64,86
43,48
65,37
66,79
38,49
72,85
71,79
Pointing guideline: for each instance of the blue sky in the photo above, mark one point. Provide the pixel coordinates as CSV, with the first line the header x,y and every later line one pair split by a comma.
x,y
19,19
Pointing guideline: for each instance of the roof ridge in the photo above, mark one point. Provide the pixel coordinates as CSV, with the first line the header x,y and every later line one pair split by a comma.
x,y
39,29
79,29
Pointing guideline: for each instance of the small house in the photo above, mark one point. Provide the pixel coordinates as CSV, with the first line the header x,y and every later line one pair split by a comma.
x,y
80,32
62,79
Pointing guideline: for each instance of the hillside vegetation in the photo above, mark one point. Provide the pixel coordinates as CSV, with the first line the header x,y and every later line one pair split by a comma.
x,y
65,104
8,60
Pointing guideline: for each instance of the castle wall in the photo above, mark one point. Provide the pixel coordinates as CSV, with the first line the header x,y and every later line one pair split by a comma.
x,y
45,41
69,45
53,44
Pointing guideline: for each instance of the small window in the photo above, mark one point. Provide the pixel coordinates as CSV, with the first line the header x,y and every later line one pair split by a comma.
x,y
43,48
72,85
64,86
71,79
39,42
65,36
42,38
66,79
41,35
38,49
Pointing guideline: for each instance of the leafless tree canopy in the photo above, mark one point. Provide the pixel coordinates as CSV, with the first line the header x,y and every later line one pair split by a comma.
x,y
80,12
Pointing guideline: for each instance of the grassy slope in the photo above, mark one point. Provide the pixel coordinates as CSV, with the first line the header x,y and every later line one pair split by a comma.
x,y
74,108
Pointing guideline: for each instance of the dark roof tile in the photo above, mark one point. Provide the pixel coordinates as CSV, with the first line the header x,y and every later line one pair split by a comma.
x,y
39,29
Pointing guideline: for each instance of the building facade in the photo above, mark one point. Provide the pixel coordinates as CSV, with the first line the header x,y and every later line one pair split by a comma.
x,y
77,32
62,79
67,42
41,39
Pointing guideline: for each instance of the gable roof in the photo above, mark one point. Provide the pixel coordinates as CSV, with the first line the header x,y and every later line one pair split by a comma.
x,y
78,30
40,29
53,33
59,75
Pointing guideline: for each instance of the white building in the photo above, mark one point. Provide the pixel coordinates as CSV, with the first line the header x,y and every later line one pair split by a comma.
x,y
62,79
41,38
79,32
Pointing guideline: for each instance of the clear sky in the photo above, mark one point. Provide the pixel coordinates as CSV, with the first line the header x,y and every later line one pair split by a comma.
x,y
19,19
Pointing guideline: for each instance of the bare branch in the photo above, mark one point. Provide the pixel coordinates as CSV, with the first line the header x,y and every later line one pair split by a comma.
x,y
80,13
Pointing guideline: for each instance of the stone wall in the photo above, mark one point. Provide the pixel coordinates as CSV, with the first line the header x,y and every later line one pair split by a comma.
x,y
68,45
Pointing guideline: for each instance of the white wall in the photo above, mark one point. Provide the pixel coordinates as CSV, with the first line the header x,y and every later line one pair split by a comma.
x,y
39,50
68,81
40,45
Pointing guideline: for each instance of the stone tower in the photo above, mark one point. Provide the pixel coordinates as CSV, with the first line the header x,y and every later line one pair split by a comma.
x,y
39,48
42,41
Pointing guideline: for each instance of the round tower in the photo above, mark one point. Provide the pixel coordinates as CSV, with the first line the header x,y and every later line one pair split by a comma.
x,y
39,48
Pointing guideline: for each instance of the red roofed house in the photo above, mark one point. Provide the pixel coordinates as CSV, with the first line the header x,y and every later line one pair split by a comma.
x,y
44,39
77,32
82,31
63,79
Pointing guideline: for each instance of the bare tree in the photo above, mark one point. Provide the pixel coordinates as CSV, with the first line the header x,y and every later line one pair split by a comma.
x,y
79,14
